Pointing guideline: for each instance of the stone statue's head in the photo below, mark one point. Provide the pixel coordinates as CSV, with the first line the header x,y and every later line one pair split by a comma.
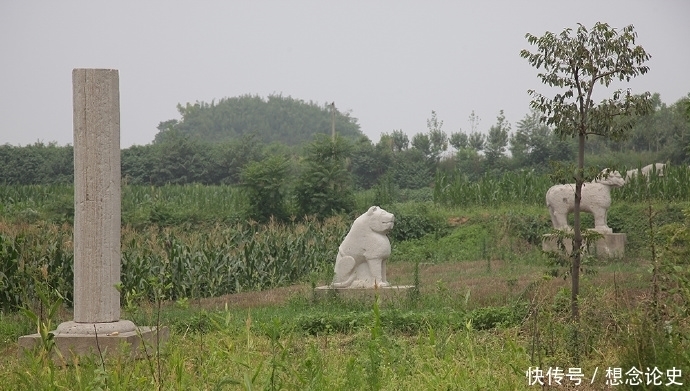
x,y
611,178
379,220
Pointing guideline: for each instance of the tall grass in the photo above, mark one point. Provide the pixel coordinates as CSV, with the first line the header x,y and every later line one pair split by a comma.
x,y
266,350
433,341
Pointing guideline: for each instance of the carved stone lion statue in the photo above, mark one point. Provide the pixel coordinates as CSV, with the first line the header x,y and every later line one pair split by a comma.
x,y
596,199
361,260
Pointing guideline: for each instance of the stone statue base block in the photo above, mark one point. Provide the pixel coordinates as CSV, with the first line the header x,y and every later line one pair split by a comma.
x,y
136,343
388,293
610,246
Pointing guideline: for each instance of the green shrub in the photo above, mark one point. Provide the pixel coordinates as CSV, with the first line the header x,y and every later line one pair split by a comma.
x,y
408,227
492,317
416,222
393,321
528,227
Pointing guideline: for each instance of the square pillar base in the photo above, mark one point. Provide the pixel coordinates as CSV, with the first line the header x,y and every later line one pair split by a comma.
x,y
610,246
384,293
135,343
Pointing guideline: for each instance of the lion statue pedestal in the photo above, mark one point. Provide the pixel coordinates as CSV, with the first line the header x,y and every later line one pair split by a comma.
x,y
361,260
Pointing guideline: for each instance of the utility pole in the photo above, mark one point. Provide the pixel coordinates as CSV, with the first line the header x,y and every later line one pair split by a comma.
x,y
332,121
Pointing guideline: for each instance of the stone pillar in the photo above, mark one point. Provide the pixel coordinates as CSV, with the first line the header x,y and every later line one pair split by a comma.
x,y
97,195
97,219
97,203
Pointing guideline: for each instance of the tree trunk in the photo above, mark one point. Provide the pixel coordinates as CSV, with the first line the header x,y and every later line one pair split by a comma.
x,y
577,229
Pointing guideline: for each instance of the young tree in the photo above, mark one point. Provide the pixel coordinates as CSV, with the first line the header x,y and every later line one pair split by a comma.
x,y
399,140
459,140
474,121
411,169
497,140
421,142
434,142
179,159
368,163
533,144
576,62
324,187
264,181
437,137
476,141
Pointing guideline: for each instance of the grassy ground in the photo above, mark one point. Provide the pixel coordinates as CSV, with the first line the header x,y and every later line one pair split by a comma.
x,y
288,339
489,306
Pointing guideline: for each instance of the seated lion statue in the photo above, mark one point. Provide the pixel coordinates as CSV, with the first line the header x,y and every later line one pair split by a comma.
x,y
361,260
596,199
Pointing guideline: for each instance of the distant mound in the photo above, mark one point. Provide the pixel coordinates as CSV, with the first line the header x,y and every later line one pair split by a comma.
x,y
274,119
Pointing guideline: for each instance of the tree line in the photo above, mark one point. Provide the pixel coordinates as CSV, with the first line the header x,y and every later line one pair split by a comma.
x,y
352,159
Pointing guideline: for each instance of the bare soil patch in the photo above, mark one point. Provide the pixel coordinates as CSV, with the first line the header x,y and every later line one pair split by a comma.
x,y
494,284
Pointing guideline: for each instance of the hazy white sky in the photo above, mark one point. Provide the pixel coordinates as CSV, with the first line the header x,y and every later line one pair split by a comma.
x,y
390,63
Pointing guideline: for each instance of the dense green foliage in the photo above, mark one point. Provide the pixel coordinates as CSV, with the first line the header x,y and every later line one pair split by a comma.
x,y
226,260
212,207
36,164
526,187
274,119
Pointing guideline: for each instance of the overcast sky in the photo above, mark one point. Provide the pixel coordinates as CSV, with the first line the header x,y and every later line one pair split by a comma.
x,y
389,63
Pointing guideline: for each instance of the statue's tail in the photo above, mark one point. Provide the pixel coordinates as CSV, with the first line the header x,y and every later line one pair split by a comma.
x,y
344,271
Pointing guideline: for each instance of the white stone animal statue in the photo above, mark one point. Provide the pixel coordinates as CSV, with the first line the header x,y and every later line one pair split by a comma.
x,y
361,260
596,199
647,170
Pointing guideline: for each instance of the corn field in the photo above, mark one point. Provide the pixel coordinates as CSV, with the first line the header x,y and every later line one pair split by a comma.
x,y
31,258
141,205
513,187
674,185
171,263
225,260
527,188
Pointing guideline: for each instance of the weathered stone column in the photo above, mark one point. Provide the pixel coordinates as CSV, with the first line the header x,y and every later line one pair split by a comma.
x,y
97,195
97,220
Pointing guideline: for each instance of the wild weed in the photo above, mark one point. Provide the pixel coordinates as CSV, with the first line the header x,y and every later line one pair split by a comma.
x,y
375,349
